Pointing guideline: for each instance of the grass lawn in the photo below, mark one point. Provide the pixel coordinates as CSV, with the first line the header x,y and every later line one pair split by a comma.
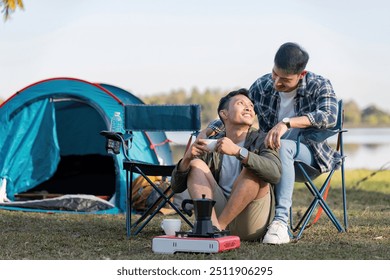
x,y
42,236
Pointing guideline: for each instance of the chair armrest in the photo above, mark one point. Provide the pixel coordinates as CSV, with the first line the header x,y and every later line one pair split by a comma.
x,y
116,136
318,135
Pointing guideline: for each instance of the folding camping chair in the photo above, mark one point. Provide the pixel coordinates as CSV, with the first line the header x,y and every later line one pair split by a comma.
x,y
142,117
306,174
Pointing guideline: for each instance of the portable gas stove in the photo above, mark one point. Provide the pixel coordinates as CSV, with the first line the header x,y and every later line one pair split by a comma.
x,y
169,244
203,238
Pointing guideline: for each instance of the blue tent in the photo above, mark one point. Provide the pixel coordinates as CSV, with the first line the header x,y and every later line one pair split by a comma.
x,y
50,146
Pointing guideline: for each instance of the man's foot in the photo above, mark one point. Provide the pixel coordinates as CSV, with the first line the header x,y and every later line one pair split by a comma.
x,y
277,234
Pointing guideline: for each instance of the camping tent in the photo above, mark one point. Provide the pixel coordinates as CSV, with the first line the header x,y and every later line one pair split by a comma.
x,y
51,149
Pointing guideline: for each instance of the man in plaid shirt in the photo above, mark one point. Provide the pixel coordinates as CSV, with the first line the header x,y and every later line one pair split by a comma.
x,y
287,100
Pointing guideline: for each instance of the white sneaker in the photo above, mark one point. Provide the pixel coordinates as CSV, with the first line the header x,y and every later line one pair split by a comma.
x,y
277,233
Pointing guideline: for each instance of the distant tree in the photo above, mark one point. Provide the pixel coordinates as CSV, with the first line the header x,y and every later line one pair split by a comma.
x,y
209,106
178,97
9,6
208,100
374,116
352,113
196,96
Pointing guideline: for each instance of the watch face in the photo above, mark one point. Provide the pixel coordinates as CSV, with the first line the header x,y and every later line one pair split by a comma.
x,y
243,153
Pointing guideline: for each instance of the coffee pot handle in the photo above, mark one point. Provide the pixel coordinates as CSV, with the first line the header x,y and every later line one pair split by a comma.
x,y
183,206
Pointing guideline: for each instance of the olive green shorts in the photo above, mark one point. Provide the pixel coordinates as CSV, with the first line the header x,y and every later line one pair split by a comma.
x,y
252,222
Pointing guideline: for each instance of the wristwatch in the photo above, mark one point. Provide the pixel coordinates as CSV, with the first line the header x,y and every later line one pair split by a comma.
x,y
242,154
286,121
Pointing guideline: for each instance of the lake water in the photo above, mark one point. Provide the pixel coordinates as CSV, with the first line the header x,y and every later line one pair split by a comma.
x,y
364,147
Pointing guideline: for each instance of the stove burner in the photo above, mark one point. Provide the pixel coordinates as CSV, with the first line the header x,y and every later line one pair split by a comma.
x,y
215,234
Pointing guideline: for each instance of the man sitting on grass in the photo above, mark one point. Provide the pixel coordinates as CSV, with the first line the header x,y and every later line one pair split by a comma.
x,y
238,174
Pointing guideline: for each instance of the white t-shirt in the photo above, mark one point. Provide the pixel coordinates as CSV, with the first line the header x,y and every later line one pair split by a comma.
x,y
231,168
286,109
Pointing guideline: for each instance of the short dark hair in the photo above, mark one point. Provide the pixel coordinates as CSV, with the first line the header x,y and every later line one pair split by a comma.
x,y
291,58
224,101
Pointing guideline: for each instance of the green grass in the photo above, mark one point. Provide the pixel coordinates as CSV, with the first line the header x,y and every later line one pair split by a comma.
x,y
41,236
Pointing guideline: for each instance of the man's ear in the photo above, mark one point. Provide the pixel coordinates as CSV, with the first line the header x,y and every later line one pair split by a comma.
x,y
303,74
223,114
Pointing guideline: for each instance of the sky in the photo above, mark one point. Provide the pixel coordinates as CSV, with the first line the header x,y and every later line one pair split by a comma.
x,y
152,47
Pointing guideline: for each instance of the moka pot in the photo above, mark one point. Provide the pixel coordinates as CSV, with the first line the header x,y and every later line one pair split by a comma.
x,y
202,208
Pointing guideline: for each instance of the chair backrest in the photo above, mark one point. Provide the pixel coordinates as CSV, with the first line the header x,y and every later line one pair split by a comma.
x,y
340,115
318,135
142,117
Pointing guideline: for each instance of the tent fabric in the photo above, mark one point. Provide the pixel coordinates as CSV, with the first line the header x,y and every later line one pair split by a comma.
x,y
50,138
28,133
70,202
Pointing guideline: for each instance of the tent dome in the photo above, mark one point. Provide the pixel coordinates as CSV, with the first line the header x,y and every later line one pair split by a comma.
x,y
50,144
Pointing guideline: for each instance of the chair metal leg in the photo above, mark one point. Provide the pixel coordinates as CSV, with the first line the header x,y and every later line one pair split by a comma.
x,y
318,199
318,194
306,219
344,201
344,196
308,211
164,198
150,217
128,202
303,218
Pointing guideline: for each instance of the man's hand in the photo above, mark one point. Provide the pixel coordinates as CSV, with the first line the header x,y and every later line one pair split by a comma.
x,y
272,140
197,149
227,147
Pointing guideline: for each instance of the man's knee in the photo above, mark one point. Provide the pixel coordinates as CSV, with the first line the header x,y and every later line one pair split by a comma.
x,y
287,149
248,181
198,165
246,176
199,174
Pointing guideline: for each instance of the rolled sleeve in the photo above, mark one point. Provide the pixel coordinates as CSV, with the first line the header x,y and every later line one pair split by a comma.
x,y
266,166
217,126
179,179
325,113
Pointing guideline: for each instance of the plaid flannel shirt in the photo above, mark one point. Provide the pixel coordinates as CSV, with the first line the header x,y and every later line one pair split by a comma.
x,y
315,99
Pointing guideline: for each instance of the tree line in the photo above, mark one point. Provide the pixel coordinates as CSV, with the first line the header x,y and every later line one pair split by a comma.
x,y
354,116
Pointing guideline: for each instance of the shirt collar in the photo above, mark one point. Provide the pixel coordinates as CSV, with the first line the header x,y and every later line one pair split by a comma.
x,y
302,85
